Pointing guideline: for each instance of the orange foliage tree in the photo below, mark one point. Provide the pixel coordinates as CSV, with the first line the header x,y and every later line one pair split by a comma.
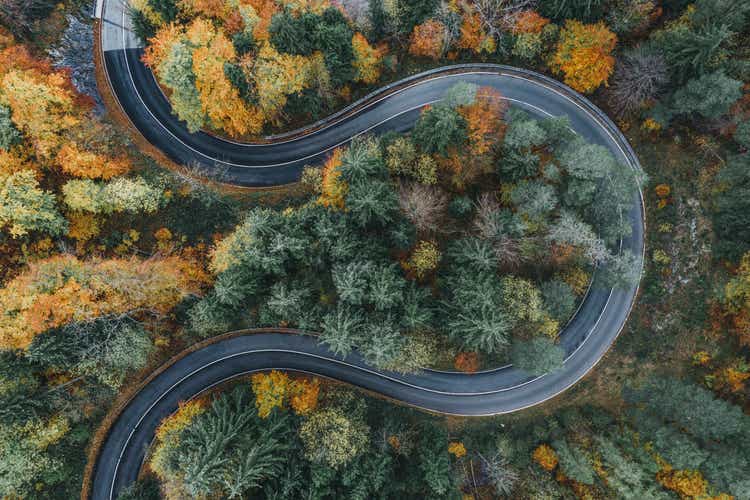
x,y
484,120
529,21
467,362
428,39
304,395
63,289
545,456
584,55
473,36
80,163
334,189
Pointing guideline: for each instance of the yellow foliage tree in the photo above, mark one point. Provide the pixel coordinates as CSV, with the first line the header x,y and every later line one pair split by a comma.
x,y
270,391
276,76
368,60
457,449
220,100
584,55
42,106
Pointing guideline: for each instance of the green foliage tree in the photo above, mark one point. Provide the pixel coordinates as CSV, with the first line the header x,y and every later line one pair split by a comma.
x,y
9,135
559,299
439,128
574,462
176,72
106,349
710,95
731,204
742,134
293,34
537,356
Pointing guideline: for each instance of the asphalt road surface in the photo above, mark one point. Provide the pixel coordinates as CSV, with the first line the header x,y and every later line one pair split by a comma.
x,y
586,338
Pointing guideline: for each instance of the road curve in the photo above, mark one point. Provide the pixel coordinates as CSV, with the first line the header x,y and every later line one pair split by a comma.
x,y
586,338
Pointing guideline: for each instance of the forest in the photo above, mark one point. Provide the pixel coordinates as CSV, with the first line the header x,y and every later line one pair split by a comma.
x,y
463,244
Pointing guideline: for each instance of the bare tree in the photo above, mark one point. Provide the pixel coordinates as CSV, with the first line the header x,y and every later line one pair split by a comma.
x,y
423,205
500,473
497,16
639,77
486,221
490,227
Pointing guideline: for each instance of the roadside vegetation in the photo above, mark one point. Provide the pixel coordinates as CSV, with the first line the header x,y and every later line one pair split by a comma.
x,y
110,264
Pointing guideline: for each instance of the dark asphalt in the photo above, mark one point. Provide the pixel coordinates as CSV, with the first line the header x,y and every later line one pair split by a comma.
x,y
586,338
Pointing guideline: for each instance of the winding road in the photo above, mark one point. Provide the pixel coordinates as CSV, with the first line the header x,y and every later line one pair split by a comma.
x,y
586,338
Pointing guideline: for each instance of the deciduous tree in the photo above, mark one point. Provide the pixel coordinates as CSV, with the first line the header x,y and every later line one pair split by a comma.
x,y
583,55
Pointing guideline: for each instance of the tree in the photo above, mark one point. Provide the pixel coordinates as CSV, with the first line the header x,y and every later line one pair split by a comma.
x,y
731,202
42,104
534,199
333,188
690,407
9,135
537,356
368,60
119,195
583,55
21,16
81,163
333,438
424,206
742,134
484,119
220,100
175,71
571,230
341,330
24,207
270,391
106,348
424,259
434,459
439,127
640,76
559,299
294,35
429,40
574,463
710,96
63,289
522,300
475,315
622,270
227,448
